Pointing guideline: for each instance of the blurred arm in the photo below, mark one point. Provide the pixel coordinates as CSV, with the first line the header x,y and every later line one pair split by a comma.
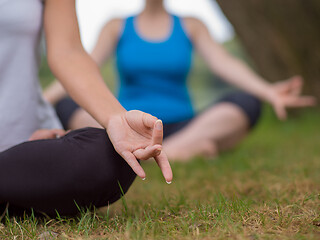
x,y
225,65
107,41
281,95
130,132
101,53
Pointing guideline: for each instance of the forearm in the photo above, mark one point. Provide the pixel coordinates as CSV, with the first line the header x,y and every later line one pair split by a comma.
x,y
238,74
223,64
80,76
69,62
55,91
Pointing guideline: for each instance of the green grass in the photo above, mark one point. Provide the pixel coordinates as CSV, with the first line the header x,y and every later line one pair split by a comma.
x,y
267,188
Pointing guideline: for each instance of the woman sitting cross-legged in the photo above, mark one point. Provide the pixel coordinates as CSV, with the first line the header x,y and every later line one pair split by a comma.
x,y
54,171
153,53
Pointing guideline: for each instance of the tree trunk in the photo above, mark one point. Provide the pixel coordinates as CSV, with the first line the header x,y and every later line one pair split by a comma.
x,y
282,37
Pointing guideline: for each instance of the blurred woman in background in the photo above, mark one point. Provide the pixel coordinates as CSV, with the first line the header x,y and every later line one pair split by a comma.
x,y
82,166
154,55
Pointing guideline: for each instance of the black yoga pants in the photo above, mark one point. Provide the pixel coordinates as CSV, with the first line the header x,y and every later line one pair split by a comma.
x,y
81,169
248,104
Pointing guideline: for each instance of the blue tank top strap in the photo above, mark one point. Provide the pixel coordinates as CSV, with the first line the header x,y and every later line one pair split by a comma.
x,y
128,28
180,30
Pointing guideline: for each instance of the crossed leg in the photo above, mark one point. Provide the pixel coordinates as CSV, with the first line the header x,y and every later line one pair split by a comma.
x,y
80,169
217,129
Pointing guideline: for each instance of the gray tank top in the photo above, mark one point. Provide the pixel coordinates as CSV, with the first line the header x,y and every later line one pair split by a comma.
x,y
22,108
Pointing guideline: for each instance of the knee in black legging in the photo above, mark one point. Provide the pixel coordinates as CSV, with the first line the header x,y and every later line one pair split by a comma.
x,y
65,109
81,169
105,175
249,104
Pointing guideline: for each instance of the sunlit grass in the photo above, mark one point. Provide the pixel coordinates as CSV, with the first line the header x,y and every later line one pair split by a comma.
x,y
267,188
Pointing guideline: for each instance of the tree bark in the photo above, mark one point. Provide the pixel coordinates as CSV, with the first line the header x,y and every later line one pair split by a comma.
x,y
282,37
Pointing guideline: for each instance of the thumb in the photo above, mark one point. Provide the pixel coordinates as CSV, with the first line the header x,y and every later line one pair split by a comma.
x,y
280,111
157,134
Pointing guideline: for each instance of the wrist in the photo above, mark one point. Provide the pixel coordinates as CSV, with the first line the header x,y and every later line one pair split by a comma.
x,y
268,94
115,114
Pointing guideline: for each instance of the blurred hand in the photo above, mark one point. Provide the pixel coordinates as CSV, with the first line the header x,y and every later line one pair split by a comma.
x,y
47,134
138,135
287,94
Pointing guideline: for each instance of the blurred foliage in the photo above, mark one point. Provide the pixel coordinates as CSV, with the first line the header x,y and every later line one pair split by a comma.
x,y
282,37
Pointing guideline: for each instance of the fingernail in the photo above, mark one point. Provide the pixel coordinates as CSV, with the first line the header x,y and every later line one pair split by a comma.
x,y
58,136
159,124
168,182
143,179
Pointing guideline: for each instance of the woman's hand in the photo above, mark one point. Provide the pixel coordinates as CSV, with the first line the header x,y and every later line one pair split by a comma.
x,y
47,134
287,94
137,135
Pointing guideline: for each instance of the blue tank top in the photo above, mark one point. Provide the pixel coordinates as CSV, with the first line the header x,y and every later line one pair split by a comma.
x,y
153,74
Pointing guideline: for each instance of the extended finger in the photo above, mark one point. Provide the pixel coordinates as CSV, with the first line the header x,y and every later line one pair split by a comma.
x,y
46,134
280,112
149,152
157,134
133,163
301,101
297,85
58,133
163,163
36,135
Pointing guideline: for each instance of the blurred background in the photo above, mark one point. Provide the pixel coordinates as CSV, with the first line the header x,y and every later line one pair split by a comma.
x,y
268,187
278,39
204,86
95,13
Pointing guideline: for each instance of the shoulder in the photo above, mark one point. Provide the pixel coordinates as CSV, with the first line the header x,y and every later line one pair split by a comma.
x,y
193,24
112,29
114,26
194,27
115,22
192,21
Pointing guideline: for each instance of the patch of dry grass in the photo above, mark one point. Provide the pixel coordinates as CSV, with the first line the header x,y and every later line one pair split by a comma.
x,y
267,188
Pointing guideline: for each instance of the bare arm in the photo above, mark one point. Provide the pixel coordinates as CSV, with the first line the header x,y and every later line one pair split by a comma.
x,y
240,75
107,41
77,72
101,53
134,133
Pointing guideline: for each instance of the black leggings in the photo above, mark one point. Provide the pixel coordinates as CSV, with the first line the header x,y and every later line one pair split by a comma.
x,y
81,169
248,104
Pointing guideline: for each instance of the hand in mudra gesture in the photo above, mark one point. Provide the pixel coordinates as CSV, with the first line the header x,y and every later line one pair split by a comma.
x,y
287,94
138,135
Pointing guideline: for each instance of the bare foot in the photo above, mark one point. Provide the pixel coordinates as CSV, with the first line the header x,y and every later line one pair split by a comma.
x,y
183,151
